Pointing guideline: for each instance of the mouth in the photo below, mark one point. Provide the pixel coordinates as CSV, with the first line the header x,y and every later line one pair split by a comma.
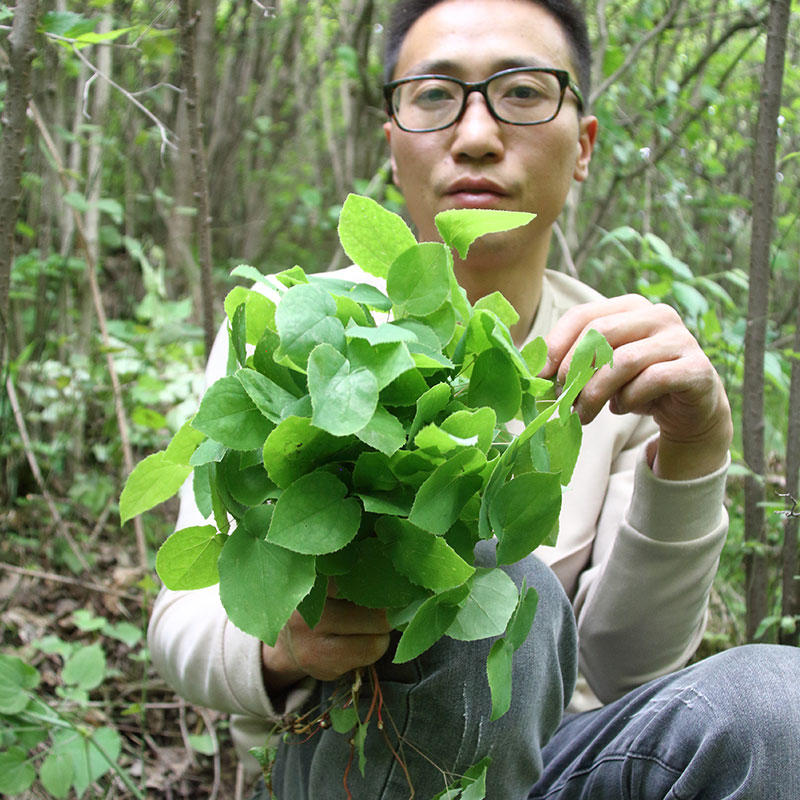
x,y
476,193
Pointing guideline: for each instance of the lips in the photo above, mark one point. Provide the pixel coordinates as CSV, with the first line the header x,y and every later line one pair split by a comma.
x,y
476,193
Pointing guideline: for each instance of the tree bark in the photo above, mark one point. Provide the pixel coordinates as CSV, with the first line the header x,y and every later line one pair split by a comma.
x,y
12,145
187,24
790,596
755,336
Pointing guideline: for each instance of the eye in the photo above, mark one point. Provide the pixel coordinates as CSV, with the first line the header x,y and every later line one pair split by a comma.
x,y
428,93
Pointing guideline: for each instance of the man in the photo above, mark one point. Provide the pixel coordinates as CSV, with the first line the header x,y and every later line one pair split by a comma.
x,y
501,124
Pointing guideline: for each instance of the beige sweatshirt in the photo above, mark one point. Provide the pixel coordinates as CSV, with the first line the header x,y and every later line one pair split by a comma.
x,y
636,555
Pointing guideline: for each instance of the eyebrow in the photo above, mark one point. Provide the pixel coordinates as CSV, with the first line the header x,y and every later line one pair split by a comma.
x,y
444,66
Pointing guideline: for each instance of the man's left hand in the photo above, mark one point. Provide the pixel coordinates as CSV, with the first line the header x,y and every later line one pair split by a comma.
x,y
658,369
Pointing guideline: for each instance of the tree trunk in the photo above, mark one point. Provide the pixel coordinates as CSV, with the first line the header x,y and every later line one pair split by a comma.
x,y
12,145
790,597
755,336
187,25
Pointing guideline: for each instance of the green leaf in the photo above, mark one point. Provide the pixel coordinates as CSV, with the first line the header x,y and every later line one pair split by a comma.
x,y
445,492
245,483
295,448
313,604
495,383
423,558
56,773
386,361
498,670
67,23
269,398
343,720
384,432
535,355
488,607
314,516
520,624
371,579
563,437
188,558
208,451
16,678
519,523
16,772
344,399
85,668
498,305
228,415
153,480
362,293
371,236
87,754
183,445
418,280
258,310
468,424
202,743
426,627
382,334
460,227
429,404
592,352
306,317
261,583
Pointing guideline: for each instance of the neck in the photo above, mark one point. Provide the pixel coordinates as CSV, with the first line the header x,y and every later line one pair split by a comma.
x,y
514,269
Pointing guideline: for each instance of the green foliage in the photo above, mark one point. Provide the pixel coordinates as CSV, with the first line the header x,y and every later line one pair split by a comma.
x,y
76,754
397,534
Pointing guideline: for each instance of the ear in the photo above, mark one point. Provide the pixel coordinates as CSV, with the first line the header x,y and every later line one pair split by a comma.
x,y
586,139
387,129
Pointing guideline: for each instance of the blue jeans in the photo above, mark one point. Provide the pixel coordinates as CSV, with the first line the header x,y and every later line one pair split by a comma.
x,y
728,727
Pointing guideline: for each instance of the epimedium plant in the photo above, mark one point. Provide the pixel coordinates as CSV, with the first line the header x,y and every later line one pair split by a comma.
x,y
367,435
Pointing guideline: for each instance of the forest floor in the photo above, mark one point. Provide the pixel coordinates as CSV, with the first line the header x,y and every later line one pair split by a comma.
x,y
48,612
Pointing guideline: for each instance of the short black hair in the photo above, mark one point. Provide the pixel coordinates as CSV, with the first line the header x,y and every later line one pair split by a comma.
x,y
571,18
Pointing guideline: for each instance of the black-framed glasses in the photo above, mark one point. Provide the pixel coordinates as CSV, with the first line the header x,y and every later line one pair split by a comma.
x,y
518,96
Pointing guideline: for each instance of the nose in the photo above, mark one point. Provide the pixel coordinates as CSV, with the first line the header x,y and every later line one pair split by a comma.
x,y
477,135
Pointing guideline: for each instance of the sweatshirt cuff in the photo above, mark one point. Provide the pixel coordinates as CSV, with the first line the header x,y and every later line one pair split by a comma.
x,y
242,665
675,511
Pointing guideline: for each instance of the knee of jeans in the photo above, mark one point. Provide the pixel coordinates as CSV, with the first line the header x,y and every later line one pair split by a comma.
x,y
757,687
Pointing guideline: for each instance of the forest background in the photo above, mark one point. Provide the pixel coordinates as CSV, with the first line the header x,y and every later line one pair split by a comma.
x,y
159,145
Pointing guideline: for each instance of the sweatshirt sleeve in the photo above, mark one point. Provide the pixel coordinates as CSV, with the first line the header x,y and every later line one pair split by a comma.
x,y
641,604
198,651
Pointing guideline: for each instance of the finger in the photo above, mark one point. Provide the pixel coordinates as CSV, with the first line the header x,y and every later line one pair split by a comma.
x,y
630,361
344,618
646,322
569,329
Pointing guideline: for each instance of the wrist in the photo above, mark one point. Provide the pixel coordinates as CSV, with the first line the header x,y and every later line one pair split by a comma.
x,y
279,668
678,460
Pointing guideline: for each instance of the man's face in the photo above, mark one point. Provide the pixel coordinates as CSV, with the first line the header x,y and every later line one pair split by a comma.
x,y
480,162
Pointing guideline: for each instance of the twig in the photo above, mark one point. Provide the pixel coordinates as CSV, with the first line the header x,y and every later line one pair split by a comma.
x,y
564,245
209,723
52,576
37,474
97,299
185,732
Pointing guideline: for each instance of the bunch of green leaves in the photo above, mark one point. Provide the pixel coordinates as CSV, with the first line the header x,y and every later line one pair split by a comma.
x,y
362,435
40,741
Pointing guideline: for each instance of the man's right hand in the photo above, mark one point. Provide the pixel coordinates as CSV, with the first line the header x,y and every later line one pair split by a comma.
x,y
346,637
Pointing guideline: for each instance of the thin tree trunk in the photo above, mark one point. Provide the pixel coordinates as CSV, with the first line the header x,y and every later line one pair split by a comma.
x,y
12,144
187,25
790,597
755,336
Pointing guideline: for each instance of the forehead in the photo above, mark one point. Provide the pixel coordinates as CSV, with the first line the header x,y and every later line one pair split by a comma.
x,y
473,38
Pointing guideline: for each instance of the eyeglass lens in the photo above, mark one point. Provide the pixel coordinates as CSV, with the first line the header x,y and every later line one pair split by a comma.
x,y
517,97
